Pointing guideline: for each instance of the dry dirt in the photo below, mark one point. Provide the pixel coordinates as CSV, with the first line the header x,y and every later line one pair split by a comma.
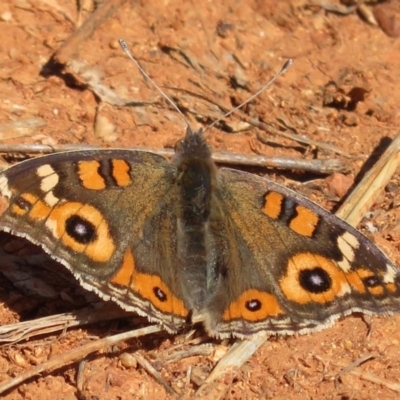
x,y
343,89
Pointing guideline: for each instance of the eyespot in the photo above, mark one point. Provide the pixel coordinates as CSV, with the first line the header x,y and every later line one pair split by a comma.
x,y
23,204
315,280
149,287
372,281
80,229
253,305
160,294
311,277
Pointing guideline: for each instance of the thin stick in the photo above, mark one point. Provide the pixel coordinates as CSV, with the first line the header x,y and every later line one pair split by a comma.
x,y
70,48
326,166
13,333
153,372
366,376
366,192
77,354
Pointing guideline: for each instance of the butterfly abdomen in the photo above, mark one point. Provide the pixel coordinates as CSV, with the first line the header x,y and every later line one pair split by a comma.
x,y
194,183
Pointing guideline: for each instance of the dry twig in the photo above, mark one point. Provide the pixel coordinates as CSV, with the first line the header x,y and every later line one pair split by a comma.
x,y
77,354
316,166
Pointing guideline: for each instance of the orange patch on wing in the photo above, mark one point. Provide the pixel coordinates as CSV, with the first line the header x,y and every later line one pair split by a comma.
x,y
39,211
292,289
305,222
16,210
120,172
146,286
238,309
126,271
89,175
101,248
28,198
391,287
273,204
376,290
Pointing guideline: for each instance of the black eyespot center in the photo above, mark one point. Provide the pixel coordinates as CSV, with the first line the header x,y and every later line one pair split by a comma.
x,y
315,280
372,281
160,294
80,229
253,305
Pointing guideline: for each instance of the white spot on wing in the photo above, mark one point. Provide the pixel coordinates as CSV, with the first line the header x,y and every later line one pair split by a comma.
x,y
344,265
391,274
49,183
45,170
51,224
347,243
49,177
344,289
50,199
4,189
351,240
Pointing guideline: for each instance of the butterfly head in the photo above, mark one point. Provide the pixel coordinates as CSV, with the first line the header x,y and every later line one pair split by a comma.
x,y
193,145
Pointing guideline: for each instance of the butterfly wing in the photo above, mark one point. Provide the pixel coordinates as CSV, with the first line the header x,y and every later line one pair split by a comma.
x,y
292,266
108,217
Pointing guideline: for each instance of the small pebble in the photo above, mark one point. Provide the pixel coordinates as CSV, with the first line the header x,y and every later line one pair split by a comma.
x,y
128,360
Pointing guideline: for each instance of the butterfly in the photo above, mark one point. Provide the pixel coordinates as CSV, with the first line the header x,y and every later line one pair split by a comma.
x,y
184,240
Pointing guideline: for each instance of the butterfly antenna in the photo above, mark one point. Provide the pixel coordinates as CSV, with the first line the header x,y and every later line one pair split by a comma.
x,y
126,50
284,68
